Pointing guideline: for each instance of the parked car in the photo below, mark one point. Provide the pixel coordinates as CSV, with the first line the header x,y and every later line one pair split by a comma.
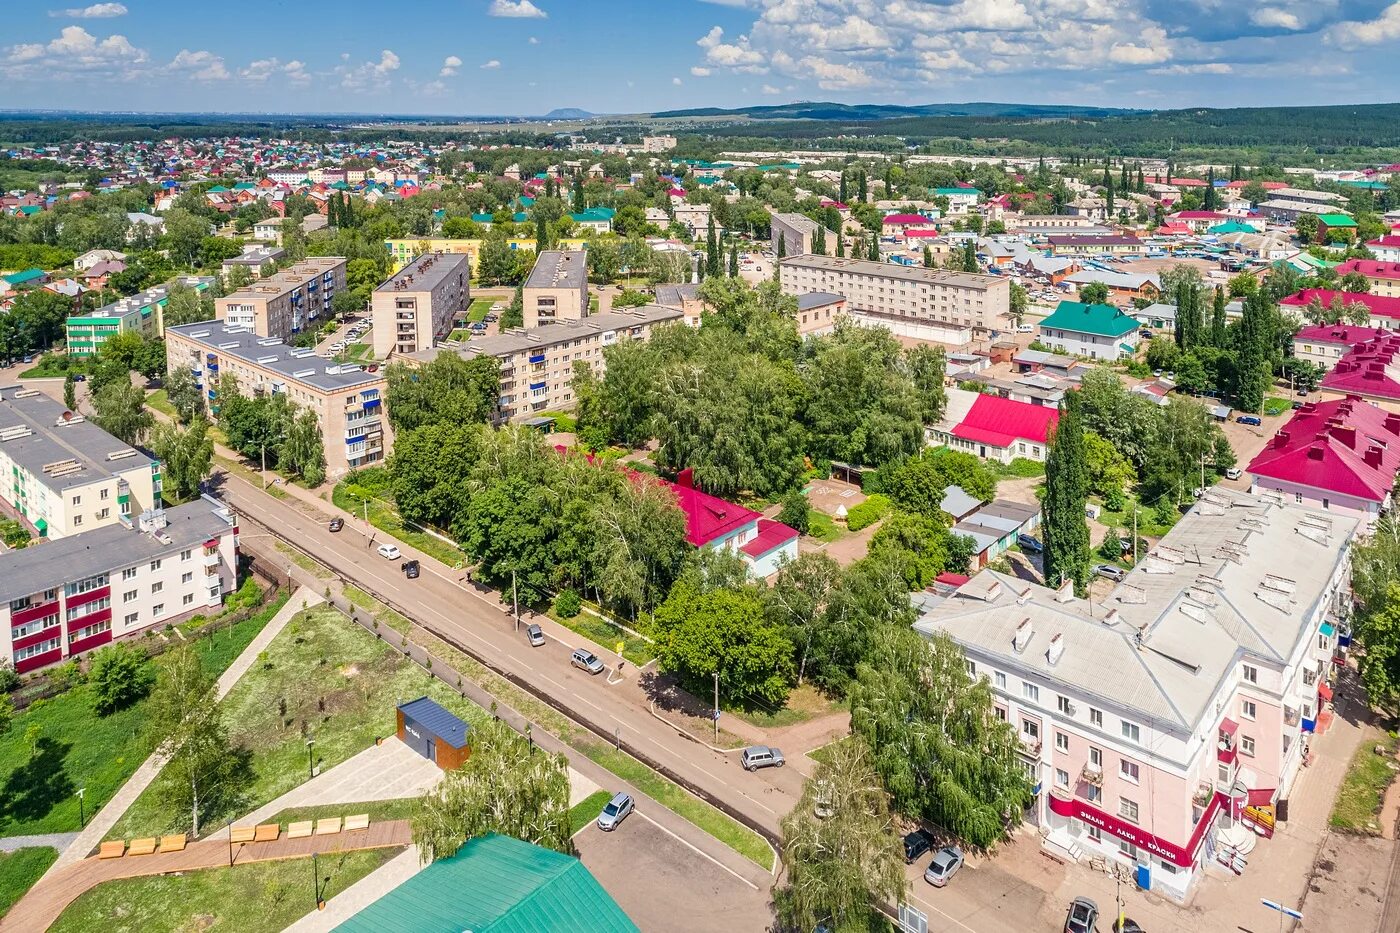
x,y
388,552
1082,917
761,756
79,377
535,635
1025,328
1030,544
1297,405
1233,473
410,569
916,844
1145,334
1113,573
615,812
337,524
1253,420
945,865
585,660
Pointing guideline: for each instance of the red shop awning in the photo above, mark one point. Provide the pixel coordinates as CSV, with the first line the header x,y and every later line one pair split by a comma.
x,y
1324,691
1261,798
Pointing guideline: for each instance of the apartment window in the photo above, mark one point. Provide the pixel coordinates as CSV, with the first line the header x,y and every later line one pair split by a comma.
x,y
999,679
1251,674
24,654
1065,706
1094,833
972,668
1128,849
1131,732
103,513
1061,778
186,554
157,587
1323,642
1095,717
1095,757
1127,809
1248,709
129,596
77,500
1247,745
103,494
131,618
77,520
155,564
186,578
1030,691
1129,771
1061,742
189,598
1030,730
1001,713
158,610
129,573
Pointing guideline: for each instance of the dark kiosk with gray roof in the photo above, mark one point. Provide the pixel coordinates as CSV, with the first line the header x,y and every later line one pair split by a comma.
x,y
434,732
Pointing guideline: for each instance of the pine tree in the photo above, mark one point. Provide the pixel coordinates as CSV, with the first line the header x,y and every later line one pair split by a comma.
x,y
1141,181
1210,191
1217,319
1123,180
1065,532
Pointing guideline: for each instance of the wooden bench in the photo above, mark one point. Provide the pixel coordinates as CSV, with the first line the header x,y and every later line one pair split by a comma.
x,y
242,834
328,827
175,843
268,832
114,849
359,821
300,830
144,846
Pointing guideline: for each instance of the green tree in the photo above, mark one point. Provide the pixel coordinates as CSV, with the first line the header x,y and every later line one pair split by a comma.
x,y
636,544
799,600
200,771
928,366
839,868
506,786
70,393
120,674
184,394
796,511
1256,341
120,410
1307,227
448,389
186,455
186,305
1218,337
1020,302
1065,533
302,451
430,471
922,547
969,257
1110,472
937,744
1094,293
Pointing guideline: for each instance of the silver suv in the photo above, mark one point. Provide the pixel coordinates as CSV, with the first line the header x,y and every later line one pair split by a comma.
x,y
761,756
585,660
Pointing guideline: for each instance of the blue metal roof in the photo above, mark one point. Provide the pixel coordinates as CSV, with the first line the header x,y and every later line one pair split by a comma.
x,y
443,724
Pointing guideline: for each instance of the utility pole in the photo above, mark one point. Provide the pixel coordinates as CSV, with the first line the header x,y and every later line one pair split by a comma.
x,y
1135,536
262,451
515,600
716,716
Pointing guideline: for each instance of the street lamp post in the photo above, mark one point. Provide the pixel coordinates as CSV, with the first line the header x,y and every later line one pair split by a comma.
x,y
310,759
716,716
515,600
82,821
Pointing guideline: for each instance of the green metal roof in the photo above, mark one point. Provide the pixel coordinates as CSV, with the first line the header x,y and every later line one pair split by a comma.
x,y
949,192
28,275
496,884
1336,220
1104,320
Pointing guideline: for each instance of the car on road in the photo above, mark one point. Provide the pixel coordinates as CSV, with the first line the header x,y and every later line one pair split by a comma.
x,y
1113,573
585,660
336,524
615,812
411,569
1025,328
1233,473
1252,420
761,756
1030,544
945,865
916,844
535,634
389,551
1082,917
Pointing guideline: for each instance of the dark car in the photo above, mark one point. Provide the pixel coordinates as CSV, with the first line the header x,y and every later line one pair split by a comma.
x,y
1029,544
337,524
1083,915
80,377
1250,420
1297,405
1129,925
535,634
410,569
915,845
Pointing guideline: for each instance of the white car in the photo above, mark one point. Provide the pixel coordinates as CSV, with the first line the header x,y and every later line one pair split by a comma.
x,y
1233,473
388,551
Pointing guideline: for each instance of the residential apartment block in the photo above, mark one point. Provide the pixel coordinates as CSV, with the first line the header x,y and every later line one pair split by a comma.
x,y
537,365
658,143
403,251
415,307
253,258
348,399
286,303
1325,344
1165,725
62,598
141,313
798,233
1383,276
934,304
64,475
557,288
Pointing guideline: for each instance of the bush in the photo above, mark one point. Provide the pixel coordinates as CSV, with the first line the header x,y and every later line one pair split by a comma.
x,y
120,675
868,512
9,680
796,512
567,605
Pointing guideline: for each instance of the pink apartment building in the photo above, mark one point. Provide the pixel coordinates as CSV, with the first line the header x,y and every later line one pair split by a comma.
x,y
1165,726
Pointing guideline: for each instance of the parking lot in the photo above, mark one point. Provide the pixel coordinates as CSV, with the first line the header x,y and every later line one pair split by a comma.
x,y
639,862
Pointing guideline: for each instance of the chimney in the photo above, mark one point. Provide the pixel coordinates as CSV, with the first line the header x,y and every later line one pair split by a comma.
x,y
1372,457
1056,649
686,478
1392,423
1024,631
1065,593
1346,434
1316,452
1281,439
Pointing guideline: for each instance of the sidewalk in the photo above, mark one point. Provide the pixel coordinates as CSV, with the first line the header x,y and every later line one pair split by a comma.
x,y
361,894
59,841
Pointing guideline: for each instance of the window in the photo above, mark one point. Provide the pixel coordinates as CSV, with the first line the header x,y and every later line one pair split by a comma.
x,y
155,564
1061,741
1251,674
1000,679
186,554
158,610
24,654
1131,732
972,669
104,494
1129,771
1030,730
1094,833
156,588
1247,745
1096,717
1323,642
103,513
77,520
131,618
77,500
1248,709
186,577
1128,849
1095,757
1061,778
129,596
189,598
1065,706
1030,691
1001,712
1127,809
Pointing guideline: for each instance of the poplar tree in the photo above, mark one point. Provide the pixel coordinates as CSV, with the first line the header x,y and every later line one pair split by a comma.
x,y
862,187
713,265
874,247
842,196
1217,320
928,258
819,241
734,261
1066,534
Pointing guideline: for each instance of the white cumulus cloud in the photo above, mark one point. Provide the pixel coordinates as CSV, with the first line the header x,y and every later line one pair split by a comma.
x,y
492,65
202,65
700,72
74,51
516,9
1356,33
96,11
450,64
1274,18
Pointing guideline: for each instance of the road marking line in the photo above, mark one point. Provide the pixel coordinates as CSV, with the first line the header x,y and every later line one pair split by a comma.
x,y
925,904
705,855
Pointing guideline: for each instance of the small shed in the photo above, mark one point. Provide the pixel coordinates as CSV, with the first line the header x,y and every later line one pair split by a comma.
x,y
434,732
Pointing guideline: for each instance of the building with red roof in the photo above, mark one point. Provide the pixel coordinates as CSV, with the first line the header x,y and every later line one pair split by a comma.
x,y
1175,182
1172,228
895,224
1341,455
1385,312
1325,344
1198,221
1239,183
1369,371
1386,248
717,523
995,428
1383,276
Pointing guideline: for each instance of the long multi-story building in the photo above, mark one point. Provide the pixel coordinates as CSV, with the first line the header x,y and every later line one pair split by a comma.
x,y
140,313
348,399
557,288
797,234
537,366
414,308
63,475
947,304
62,598
288,302
403,251
1165,725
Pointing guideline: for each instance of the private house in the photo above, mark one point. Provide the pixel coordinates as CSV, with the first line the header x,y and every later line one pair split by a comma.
x,y
994,428
1100,332
95,257
994,528
1339,456
818,312
1325,344
711,522
960,200
899,224
1386,248
1330,223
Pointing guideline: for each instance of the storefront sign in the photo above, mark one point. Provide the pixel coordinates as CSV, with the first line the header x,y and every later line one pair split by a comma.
x,y
1170,851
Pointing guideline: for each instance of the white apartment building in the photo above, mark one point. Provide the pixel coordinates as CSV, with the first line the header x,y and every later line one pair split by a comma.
x,y
941,304
658,143
1165,726
63,475
415,307
62,598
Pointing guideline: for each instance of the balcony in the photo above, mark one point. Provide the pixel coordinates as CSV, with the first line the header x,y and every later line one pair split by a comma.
x,y
211,558
1204,792
1091,774
1030,744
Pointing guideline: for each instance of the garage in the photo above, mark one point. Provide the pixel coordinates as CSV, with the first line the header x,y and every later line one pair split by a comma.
x,y
434,732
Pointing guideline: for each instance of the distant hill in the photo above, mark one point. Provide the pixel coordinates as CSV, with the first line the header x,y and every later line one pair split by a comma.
x,y
567,113
824,110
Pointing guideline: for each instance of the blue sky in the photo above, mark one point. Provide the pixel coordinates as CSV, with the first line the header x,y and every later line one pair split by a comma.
x,y
612,56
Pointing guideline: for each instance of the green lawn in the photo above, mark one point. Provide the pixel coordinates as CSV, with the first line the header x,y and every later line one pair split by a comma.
x,y
20,869
587,810
803,703
340,686
479,309
379,811
1273,405
563,421
461,335
54,365
382,515
1021,467
602,632
359,353
823,527
1148,526
1359,799
160,401
74,747
249,898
